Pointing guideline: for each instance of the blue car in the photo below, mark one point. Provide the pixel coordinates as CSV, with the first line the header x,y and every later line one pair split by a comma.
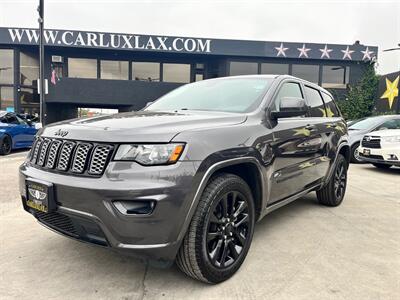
x,y
15,133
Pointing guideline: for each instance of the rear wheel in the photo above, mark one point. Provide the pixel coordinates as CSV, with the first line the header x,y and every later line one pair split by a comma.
x,y
333,193
382,166
220,232
5,145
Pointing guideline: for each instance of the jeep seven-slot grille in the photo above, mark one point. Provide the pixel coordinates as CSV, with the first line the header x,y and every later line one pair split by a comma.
x,y
371,142
71,156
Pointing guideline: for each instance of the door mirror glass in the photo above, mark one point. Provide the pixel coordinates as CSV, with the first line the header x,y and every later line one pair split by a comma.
x,y
290,107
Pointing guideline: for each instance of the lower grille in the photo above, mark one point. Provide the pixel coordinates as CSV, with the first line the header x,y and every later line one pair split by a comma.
x,y
59,222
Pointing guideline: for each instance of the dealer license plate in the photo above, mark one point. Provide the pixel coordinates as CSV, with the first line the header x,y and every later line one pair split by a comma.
x,y
367,152
39,195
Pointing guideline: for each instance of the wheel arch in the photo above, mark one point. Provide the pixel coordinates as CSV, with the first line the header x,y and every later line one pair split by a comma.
x,y
239,166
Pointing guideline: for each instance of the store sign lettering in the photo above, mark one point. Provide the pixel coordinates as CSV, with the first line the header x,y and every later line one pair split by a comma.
x,y
111,40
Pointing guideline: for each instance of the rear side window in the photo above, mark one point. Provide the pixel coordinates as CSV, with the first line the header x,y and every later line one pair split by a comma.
x,y
315,102
288,89
11,119
331,108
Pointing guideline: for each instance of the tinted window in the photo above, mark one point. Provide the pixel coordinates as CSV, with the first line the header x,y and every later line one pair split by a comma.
x,y
306,72
390,124
146,71
288,89
228,95
11,119
335,77
243,68
365,123
82,68
278,69
315,103
6,66
176,73
29,66
114,69
331,109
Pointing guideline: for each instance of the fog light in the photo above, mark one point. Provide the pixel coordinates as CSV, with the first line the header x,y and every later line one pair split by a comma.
x,y
133,207
393,157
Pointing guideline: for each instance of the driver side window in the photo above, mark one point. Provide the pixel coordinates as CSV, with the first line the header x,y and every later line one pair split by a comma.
x,y
288,89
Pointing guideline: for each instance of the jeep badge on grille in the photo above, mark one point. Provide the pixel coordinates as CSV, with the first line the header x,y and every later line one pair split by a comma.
x,y
61,133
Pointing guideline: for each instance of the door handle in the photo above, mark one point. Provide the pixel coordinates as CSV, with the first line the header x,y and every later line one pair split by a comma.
x,y
311,127
332,125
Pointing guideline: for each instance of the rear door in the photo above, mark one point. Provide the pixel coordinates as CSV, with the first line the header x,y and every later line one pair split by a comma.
x,y
296,145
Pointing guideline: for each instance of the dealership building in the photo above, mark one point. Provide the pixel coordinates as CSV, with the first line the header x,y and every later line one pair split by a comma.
x,y
125,71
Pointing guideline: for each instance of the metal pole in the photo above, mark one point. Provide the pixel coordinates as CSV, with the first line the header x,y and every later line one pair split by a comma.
x,y
41,63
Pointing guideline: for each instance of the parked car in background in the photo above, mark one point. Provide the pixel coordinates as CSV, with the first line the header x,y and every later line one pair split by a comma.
x,y
363,126
15,132
381,148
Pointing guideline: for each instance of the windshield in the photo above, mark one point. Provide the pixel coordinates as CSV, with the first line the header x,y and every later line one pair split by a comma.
x,y
365,124
226,95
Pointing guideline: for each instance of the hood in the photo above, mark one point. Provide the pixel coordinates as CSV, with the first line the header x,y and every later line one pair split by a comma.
x,y
143,126
387,132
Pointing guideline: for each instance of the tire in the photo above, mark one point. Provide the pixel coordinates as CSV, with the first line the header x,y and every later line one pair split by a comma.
x,y
353,155
333,192
382,166
5,145
228,226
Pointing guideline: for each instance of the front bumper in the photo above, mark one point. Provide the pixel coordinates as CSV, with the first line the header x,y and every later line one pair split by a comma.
x,y
86,207
386,155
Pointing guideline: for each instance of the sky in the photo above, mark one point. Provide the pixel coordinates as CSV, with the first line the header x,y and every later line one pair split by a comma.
x,y
374,23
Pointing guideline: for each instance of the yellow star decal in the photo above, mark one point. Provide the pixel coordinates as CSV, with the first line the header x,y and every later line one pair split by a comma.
x,y
302,131
306,165
392,91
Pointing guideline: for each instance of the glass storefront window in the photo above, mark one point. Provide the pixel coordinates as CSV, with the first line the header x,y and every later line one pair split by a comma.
x,y
242,68
29,101
275,69
111,69
29,68
176,73
6,66
82,68
7,98
146,71
306,72
335,77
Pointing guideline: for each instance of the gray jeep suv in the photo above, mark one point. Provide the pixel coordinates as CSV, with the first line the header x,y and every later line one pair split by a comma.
x,y
188,177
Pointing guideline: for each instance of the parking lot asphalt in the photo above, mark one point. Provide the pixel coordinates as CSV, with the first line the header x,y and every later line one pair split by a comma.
x,y
301,251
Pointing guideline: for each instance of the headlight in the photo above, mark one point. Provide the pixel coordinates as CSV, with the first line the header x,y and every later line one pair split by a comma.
x,y
157,154
391,139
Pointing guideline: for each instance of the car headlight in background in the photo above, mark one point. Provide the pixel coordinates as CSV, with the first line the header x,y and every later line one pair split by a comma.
x,y
391,139
156,154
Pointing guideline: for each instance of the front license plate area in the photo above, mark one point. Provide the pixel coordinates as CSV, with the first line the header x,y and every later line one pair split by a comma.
x,y
367,152
40,195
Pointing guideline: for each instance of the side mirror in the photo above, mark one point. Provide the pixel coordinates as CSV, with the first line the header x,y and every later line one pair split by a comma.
x,y
290,107
38,126
29,122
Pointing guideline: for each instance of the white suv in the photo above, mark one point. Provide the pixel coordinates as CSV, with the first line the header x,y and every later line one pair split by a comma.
x,y
381,148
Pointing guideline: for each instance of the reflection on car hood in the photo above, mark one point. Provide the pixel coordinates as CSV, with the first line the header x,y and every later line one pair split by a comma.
x,y
143,126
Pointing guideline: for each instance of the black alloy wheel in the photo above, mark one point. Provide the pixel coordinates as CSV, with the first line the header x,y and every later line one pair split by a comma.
x,y
340,180
228,229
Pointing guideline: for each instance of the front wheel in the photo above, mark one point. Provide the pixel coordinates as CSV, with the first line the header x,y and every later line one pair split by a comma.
x,y
5,145
221,230
354,156
382,166
332,193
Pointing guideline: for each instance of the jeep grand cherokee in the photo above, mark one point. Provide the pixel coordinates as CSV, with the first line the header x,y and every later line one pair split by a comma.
x,y
188,177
